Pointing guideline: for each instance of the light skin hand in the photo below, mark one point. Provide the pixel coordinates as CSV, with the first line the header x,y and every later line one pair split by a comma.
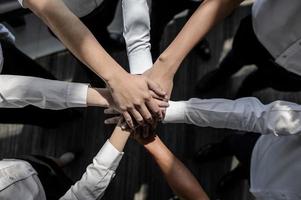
x,y
161,77
134,95
130,93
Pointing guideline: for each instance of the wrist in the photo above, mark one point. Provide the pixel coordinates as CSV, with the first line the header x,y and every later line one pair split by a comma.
x,y
98,97
112,74
115,75
167,65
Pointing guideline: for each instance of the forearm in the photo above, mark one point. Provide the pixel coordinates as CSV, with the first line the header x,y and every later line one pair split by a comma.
x,y
119,138
179,178
201,22
99,97
75,36
246,114
101,171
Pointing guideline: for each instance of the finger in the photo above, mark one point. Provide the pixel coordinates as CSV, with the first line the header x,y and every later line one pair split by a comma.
x,y
156,88
162,104
138,117
128,120
154,108
145,132
112,120
110,111
147,116
156,96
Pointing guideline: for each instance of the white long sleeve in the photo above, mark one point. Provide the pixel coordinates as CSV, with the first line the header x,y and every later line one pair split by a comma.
x,y
246,114
20,91
136,32
98,175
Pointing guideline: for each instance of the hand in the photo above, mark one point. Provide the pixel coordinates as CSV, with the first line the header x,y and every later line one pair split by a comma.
x,y
145,130
159,75
133,96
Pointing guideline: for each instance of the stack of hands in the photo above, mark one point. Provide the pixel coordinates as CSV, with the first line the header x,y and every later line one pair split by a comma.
x,y
144,106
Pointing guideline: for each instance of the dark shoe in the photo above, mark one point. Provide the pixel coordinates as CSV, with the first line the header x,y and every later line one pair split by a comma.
x,y
110,41
210,81
232,178
203,50
210,152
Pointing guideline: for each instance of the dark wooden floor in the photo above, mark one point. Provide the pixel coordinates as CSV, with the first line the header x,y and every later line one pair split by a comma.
x,y
88,133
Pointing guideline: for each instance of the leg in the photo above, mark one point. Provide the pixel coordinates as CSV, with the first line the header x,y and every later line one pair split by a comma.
x,y
256,81
239,145
17,63
279,78
203,47
246,49
35,116
98,21
162,13
54,180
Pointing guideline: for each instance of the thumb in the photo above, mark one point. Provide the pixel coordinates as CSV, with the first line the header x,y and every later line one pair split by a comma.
x,y
155,88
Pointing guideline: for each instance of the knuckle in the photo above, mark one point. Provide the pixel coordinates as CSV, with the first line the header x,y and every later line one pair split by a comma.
x,y
129,107
123,108
138,102
140,120
147,97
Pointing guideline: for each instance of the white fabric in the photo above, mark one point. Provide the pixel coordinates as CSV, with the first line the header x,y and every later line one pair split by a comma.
x,y
136,32
275,166
98,175
79,7
277,26
18,180
20,91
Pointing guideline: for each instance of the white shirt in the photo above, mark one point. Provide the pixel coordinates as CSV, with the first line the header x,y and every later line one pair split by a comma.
x,y
277,26
19,181
136,31
275,166
20,91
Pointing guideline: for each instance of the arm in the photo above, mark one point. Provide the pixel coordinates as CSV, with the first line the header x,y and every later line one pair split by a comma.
x,y
179,178
136,32
246,114
137,98
100,173
201,22
21,91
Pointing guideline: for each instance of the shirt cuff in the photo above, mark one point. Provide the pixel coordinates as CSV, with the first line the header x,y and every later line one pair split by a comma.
x,y
140,61
77,95
109,156
175,113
